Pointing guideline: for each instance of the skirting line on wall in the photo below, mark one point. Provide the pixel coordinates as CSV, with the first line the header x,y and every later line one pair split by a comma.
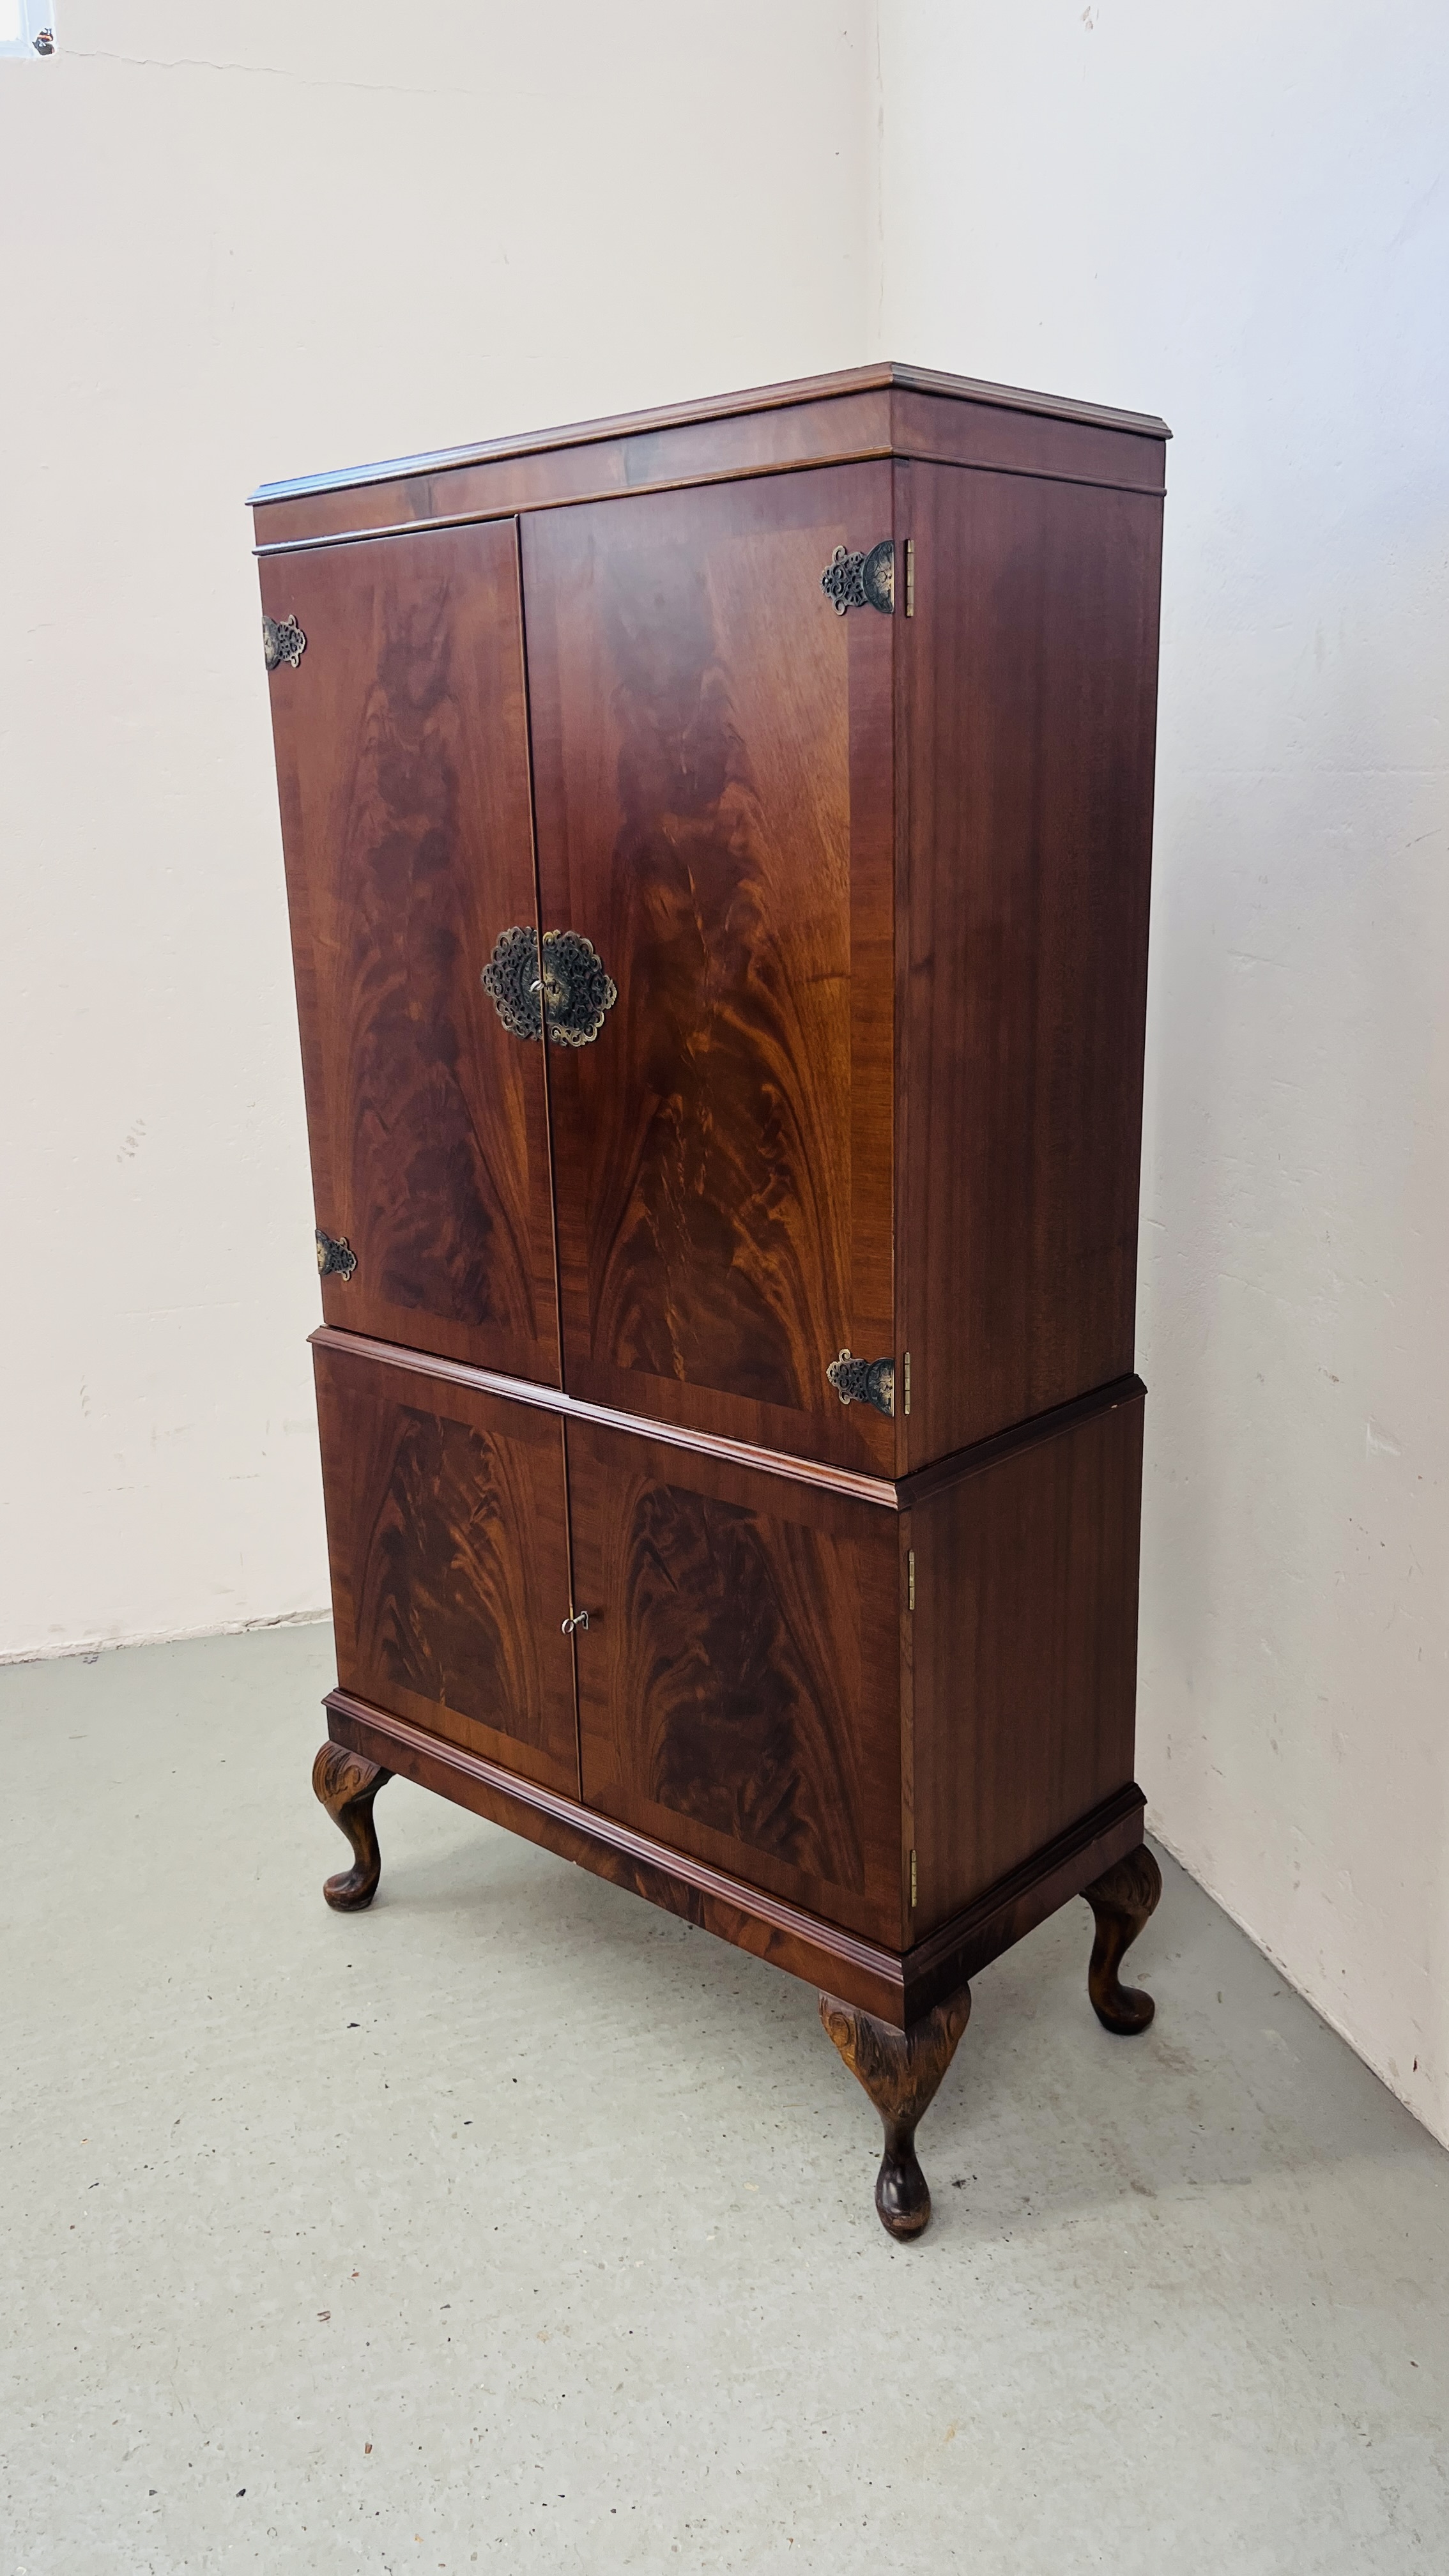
x,y
93,1646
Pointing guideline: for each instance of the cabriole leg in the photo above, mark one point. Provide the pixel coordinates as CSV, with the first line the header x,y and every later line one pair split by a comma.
x,y
346,1783
900,2070
1122,1901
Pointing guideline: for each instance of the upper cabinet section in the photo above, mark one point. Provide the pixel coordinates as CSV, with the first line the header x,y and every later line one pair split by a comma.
x,y
712,774
808,1065
402,760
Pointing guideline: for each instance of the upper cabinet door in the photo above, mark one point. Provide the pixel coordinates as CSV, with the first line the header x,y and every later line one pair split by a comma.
x,y
712,773
402,759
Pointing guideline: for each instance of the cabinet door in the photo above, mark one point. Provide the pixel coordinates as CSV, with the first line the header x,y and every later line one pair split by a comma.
x,y
402,760
712,770
739,1679
446,1523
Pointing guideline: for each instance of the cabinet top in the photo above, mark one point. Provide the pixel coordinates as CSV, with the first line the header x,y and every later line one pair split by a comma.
x,y
880,410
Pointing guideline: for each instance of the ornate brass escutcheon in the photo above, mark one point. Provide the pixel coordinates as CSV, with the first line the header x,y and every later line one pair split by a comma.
x,y
862,581
864,1382
571,991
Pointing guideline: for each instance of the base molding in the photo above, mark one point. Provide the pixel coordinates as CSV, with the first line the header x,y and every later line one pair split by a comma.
x,y
897,1987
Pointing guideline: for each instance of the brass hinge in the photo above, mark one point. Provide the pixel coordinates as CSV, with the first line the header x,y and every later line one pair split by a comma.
x,y
282,641
910,576
864,1382
906,1374
862,581
335,1256
910,1578
913,1882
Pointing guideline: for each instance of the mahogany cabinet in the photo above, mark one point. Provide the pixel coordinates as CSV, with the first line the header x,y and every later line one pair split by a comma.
x,y
718,849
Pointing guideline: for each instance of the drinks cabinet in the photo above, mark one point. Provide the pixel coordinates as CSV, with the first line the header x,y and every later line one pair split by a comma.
x,y
718,847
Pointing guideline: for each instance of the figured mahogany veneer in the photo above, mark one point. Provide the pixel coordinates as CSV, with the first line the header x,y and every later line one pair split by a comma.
x,y
712,781
447,1527
402,765
862,904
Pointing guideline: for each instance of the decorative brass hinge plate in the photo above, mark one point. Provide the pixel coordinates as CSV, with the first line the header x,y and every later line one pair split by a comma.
x,y
862,581
864,1382
571,989
335,1256
282,641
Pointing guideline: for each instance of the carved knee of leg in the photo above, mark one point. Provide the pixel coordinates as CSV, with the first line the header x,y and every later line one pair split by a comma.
x,y
347,1784
900,2070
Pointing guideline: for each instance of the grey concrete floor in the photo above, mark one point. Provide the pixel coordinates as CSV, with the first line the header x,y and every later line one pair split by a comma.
x,y
514,2224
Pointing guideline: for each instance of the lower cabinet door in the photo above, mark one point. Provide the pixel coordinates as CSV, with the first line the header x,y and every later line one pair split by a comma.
x,y
739,1678
447,1528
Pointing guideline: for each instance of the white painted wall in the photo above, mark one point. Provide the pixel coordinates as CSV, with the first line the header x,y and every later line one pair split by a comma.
x,y
239,238
1240,217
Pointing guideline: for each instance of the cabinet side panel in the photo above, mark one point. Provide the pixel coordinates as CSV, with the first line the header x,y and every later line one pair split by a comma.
x,y
1027,680
402,766
1025,1653
739,1677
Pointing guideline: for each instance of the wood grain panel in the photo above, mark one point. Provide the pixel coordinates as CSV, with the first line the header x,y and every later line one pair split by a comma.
x,y
1027,700
738,1682
712,755
446,1524
402,762
1024,1653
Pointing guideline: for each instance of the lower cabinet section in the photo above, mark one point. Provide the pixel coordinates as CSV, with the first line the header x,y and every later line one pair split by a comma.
x,y
872,1703
448,1534
739,1679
